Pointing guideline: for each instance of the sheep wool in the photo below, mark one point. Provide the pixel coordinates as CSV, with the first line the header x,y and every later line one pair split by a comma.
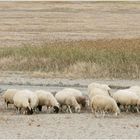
x,y
46,98
27,100
67,99
8,96
104,103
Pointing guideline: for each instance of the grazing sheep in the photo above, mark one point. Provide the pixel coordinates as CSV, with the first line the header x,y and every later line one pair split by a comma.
x,y
47,99
98,89
27,100
67,99
97,85
104,103
8,96
126,98
80,98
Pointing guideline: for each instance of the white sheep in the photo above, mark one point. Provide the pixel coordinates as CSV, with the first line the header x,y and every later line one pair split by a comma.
x,y
27,100
104,103
67,99
80,98
126,98
135,89
98,89
97,85
8,96
46,98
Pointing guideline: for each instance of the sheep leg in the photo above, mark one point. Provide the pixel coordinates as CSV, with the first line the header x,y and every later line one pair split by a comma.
x,y
116,114
126,107
62,109
39,108
24,111
95,113
7,104
137,109
18,110
49,109
92,110
103,114
69,109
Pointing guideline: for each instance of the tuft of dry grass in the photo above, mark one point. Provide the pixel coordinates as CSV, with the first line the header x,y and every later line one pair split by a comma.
x,y
115,58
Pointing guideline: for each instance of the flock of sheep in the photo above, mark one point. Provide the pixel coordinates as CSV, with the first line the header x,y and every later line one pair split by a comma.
x,y
99,99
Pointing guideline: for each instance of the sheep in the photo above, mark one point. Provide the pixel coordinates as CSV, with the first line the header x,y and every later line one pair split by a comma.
x,y
104,103
98,89
46,98
8,96
126,98
97,85
67,99
80,98
135,89
27,100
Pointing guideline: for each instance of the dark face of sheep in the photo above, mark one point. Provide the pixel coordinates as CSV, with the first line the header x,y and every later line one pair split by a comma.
x,y
56,109
82,101
39,108
29,112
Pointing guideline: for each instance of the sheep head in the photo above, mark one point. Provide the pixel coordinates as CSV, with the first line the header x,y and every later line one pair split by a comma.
x,y
81,100
56,109
29,111
78,108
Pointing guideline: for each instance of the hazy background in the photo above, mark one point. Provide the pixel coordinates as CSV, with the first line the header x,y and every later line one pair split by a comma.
x,y
38,22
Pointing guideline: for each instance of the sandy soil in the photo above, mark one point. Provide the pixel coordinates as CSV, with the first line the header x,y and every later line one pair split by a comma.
x,y
39,22
63,125
83,125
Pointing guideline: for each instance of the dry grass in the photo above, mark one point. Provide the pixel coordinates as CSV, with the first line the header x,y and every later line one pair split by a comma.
x,y
116,58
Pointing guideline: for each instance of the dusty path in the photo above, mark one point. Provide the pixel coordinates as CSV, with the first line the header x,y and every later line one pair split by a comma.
x,y
83,125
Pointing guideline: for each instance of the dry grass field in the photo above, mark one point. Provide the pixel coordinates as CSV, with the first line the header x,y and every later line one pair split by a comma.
x,y
75,39
117,58
39,22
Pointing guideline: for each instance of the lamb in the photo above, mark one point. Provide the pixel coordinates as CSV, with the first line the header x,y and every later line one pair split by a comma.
x,y
67,99
27,100
104,103
8,96
82,100
126,98
47,99
98,89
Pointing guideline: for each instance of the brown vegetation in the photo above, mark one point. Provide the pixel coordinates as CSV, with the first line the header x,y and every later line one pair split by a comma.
x,y
116,58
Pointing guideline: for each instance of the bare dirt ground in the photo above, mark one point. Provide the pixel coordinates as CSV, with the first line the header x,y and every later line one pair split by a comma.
x,y
63,125
39,22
